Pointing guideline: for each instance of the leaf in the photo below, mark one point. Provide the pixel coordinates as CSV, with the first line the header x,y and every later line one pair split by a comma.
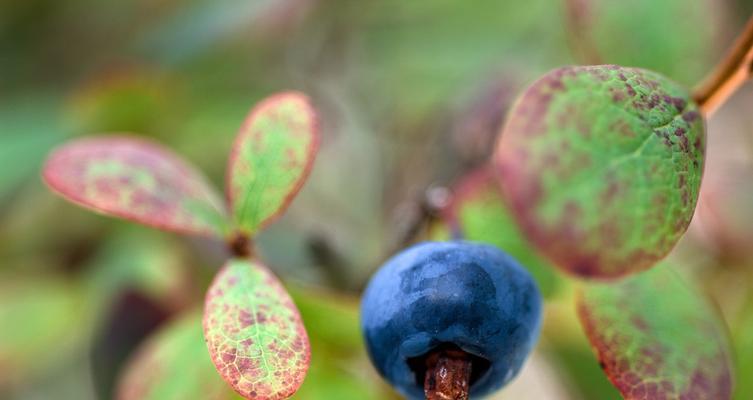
x,y
638,33
577,366
337,349
335,316
421,52
657,338
478,211
145,261
272,156
601,166
254,332
173,364
194,29
135,179
133,99
24,151
475,126
742,340
333,378
42,320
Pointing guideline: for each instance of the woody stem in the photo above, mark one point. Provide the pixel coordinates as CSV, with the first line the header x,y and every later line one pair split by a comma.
x,y
448,375
731,73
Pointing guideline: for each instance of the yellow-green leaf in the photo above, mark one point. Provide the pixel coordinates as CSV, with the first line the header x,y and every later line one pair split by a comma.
x,y
41,321
174,364
255,333
271,158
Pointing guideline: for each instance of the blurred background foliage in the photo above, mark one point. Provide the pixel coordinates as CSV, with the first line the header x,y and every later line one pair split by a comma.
x,y
412,94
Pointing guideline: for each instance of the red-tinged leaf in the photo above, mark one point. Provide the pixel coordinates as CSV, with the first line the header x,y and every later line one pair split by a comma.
x,y
135,179
174,364
657,338
271,158
254,332
601,167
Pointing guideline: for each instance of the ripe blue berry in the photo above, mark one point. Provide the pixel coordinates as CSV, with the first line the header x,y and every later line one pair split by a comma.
x,y
455,295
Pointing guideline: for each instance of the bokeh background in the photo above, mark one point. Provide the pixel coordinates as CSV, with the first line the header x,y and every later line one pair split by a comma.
x,y
411,94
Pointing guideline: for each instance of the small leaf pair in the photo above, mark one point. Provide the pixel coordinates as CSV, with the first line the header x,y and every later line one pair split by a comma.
x,y
253,330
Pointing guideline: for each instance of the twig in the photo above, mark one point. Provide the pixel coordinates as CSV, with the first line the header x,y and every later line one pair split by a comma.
x,y
731,73
240,245
424,212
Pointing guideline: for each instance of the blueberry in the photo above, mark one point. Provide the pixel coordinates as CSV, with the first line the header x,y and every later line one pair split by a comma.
x,y
456,295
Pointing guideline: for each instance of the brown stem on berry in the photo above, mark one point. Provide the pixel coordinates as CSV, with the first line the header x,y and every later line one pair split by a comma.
x,y
731,73
240,245
448,375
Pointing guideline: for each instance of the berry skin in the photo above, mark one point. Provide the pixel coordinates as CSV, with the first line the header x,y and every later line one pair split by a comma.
x,y
450,294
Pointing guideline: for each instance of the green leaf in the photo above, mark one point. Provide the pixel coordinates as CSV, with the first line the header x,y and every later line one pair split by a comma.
x,y
197,28
131,257
424,53
335,316
601,166
337,350
24,151
657,338
478,211
639,33
742,340
135,179
174,364
125,99
42,321
254,332
271,158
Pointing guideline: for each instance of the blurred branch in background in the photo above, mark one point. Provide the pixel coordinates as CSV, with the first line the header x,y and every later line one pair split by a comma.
x,y
732,72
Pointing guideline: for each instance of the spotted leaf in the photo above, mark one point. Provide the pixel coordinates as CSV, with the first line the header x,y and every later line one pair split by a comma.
x,y
601,167
174,364
657,338
271,158
254,332
135,179
477,211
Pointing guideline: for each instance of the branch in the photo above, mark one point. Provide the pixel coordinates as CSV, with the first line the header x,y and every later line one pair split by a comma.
x,y
423,213
731,73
